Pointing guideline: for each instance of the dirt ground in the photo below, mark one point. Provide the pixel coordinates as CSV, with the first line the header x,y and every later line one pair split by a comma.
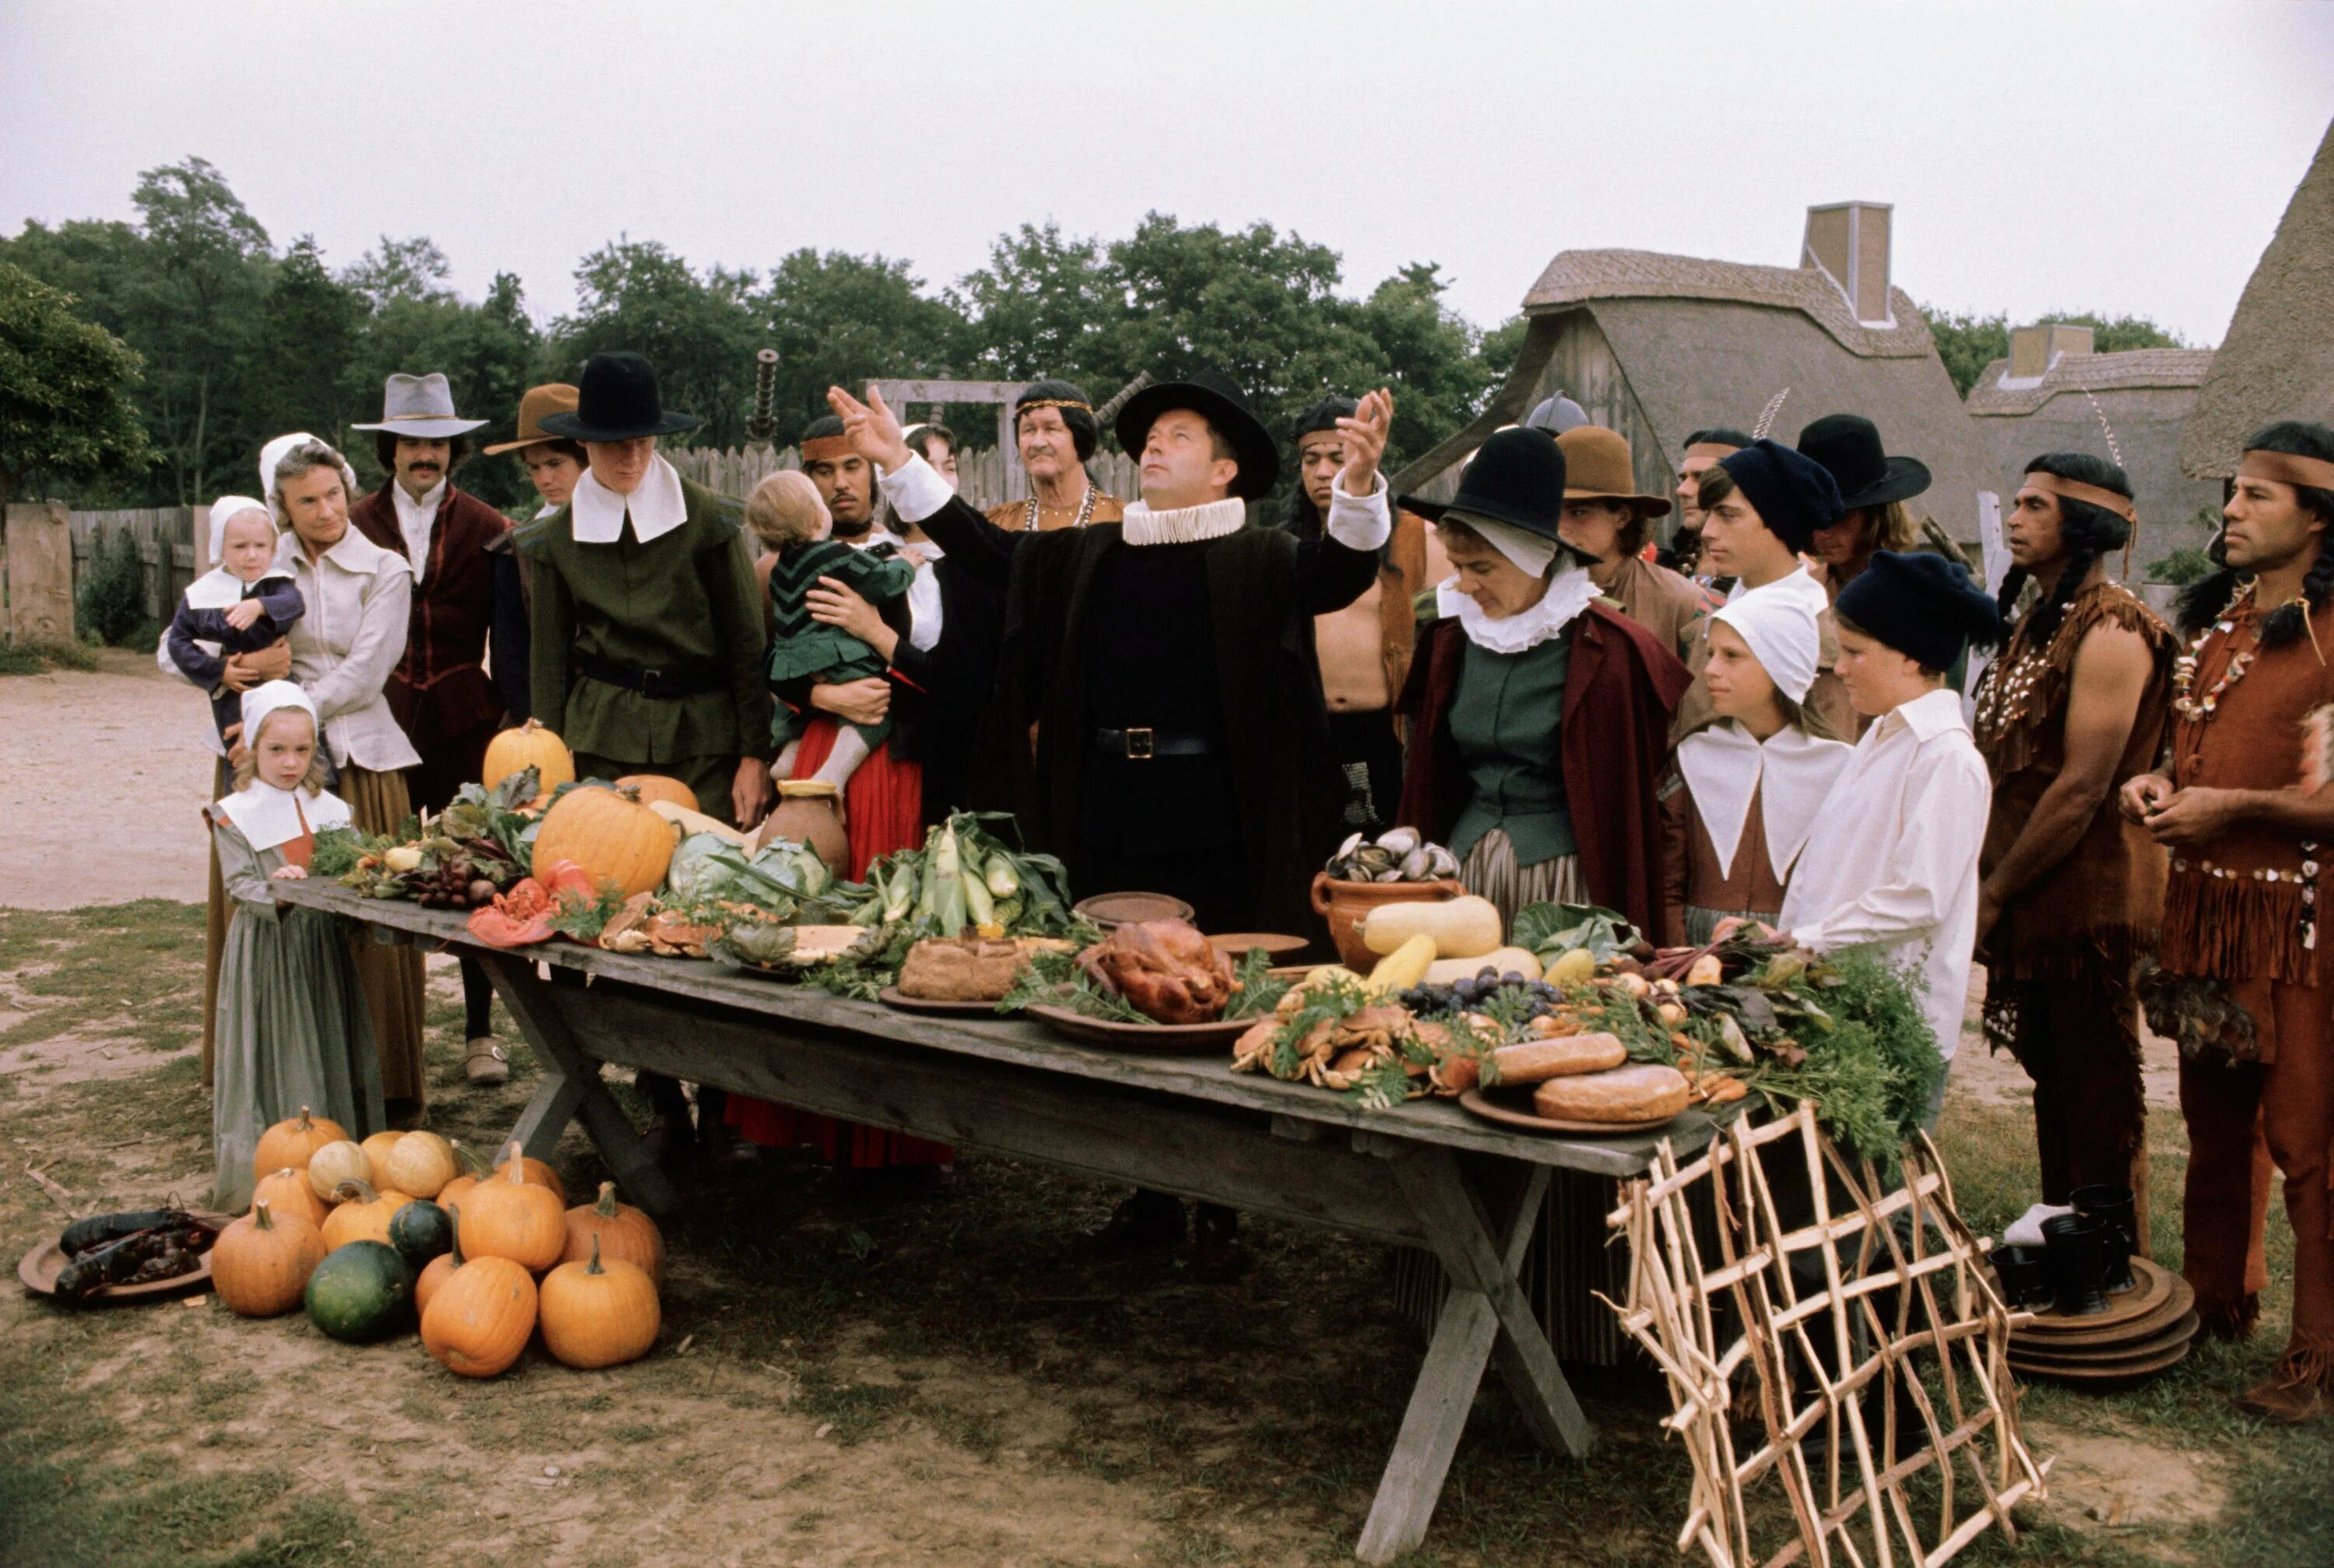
x,y
123,743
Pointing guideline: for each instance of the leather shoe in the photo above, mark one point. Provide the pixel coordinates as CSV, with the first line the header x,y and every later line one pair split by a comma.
x,y
2287,1404
487,1063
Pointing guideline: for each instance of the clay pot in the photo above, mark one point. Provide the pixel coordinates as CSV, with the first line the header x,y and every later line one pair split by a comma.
x,y
813,819
2077,1248
1347,905
2112,1206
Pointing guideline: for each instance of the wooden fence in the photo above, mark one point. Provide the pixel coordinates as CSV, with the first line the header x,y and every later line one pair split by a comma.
x,y
982,477
169,548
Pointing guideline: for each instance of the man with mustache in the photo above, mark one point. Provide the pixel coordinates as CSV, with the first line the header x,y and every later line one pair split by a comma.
x,y
1054,431
439,692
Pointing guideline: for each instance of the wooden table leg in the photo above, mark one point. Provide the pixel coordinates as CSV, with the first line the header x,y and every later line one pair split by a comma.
x,y
571,1089
1482,1264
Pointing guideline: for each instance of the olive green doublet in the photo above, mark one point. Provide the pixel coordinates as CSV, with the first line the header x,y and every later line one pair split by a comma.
x,y
1508,719
685,604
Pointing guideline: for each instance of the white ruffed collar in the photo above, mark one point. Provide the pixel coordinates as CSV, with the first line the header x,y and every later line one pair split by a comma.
x,y
268,816
1790,772
1185,525
597,513
1571,593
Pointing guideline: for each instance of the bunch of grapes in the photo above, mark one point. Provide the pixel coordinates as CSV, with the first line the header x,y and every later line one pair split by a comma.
x,y
1486,990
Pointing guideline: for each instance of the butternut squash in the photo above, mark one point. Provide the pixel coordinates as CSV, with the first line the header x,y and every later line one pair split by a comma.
x,y
1465,927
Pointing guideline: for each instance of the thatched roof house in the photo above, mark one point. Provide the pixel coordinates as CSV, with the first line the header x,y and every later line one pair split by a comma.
x,y
2277,361
2051,395
1659,346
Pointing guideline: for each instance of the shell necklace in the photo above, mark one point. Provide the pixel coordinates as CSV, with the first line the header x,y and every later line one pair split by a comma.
x,y
2200,709
1085,516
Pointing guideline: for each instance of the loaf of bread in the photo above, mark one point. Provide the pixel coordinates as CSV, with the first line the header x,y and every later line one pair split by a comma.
x,y
1645,1091
1537,1061
961,969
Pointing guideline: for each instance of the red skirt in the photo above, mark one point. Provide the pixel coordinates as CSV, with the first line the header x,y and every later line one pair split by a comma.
x,y
883,803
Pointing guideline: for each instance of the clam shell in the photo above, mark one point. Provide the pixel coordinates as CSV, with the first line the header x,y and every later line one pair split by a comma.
x,y
1393,876
1417,866
1445,863
1398,841
1346,850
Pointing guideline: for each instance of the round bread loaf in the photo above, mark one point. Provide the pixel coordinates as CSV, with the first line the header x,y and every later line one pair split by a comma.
x,y
1645,1091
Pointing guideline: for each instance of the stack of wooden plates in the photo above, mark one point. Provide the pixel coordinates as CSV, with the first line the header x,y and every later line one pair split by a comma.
x,y
2144,1330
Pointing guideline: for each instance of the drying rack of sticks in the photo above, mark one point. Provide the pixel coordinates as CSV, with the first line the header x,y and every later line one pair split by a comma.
x,y
1860,1327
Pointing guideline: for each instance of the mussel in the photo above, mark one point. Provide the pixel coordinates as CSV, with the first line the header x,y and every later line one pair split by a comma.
x,y
1398,841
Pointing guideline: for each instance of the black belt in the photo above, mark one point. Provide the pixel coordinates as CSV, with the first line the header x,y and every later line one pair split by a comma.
x,y
1141,744
657,683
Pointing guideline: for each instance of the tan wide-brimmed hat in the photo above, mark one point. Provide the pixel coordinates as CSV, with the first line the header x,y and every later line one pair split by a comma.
x,y
1597,468
558,397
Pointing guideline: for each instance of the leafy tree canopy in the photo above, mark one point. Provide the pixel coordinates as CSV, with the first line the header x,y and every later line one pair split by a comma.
x,y
1969,343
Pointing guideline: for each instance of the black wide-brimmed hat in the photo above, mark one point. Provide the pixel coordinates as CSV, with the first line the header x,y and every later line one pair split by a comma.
x,y
1516,478
1217,399
1848,444
617,400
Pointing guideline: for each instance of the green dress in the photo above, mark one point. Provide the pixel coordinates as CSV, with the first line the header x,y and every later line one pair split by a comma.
x,y
806,649
1506,718
292,1026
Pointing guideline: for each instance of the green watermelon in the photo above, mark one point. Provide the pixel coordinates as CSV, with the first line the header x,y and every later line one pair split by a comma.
x,y
419,1232
361,1292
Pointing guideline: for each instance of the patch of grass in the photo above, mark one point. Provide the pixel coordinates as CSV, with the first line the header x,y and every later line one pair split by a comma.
x,y
857,1412
126,972
30,657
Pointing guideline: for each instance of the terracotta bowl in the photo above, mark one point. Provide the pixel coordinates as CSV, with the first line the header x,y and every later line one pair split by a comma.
x,y
1347,905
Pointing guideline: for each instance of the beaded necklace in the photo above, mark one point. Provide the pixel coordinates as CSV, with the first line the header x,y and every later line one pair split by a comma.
x,y
2200,709
1086,510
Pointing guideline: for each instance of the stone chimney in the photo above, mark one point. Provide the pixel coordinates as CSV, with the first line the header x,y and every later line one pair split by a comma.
x,y
1848,244
2034,350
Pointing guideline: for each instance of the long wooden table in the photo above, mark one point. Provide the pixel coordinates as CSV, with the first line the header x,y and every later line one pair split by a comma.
x,y
1425,1174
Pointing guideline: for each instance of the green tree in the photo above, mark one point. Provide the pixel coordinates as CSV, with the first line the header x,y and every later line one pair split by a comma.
x,y
1043,306
66,417
840,318
309,333
1969,343
402,271
487,352
698,331
1431,354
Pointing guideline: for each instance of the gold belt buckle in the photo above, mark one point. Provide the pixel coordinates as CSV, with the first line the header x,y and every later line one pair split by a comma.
x,y
1140,746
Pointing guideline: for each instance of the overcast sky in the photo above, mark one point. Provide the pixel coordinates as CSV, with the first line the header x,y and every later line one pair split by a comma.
x,y
2041,154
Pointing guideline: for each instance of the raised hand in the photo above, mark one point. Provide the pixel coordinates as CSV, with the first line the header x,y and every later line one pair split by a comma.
x,y
872,428
1365,434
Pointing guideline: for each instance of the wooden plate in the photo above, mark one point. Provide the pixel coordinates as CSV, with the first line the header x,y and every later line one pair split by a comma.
x,y
2178,1332
1109,910
2174,1306
892,997
2102,1372
1491,1109
39,1267
1169,1039
1275,945
2154,1290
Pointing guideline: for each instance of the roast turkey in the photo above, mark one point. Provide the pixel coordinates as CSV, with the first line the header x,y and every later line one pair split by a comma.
x,y
1165,969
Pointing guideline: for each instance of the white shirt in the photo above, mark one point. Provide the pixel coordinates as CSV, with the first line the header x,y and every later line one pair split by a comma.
x,y
597,513
1895,860
1800,584
415,519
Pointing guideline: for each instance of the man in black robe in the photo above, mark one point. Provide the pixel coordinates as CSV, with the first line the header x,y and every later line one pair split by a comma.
x,y
1158,693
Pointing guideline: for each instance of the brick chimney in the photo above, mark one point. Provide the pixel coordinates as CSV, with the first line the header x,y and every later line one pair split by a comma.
x,y
2034,350
1848,244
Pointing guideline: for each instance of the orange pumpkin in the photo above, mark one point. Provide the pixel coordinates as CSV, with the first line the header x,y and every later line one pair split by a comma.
x,y
290,1142
288,1193
433,1273
472,1171
479,1316
652,787
376,1151
508,1215
599,1314
620,1231
420,1163
260,1263
528,745
609,835
364,1215
536,1171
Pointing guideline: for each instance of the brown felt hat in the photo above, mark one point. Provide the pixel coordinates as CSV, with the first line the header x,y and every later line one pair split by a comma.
x,y
558,397
1597,468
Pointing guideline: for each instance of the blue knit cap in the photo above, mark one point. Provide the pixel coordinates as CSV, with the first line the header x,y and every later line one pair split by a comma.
x,y
1793,494
1925,607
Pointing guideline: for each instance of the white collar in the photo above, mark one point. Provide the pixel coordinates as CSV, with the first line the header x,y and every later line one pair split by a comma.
x,y
1185,525
1802,584
352,553
597,513
427,506
219,589
1790,772
1931,714
268,816
875,535
1571,593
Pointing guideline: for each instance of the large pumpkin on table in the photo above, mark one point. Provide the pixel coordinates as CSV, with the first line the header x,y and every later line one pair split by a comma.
x,y
528,745
361,1293
292,1141
652,787
260,1263
609,835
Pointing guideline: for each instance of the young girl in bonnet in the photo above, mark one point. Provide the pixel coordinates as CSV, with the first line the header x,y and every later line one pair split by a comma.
x,y
293,1027
1749,785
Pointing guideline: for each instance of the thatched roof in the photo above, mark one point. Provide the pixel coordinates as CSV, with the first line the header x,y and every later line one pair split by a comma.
x,y
2146,396
1708,343
2277,361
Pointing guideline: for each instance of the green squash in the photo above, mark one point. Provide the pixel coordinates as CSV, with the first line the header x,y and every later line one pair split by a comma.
x,y
361,1292
419,1232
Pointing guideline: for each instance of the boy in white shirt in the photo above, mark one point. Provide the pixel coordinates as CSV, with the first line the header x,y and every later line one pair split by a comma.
x,y
1896,862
